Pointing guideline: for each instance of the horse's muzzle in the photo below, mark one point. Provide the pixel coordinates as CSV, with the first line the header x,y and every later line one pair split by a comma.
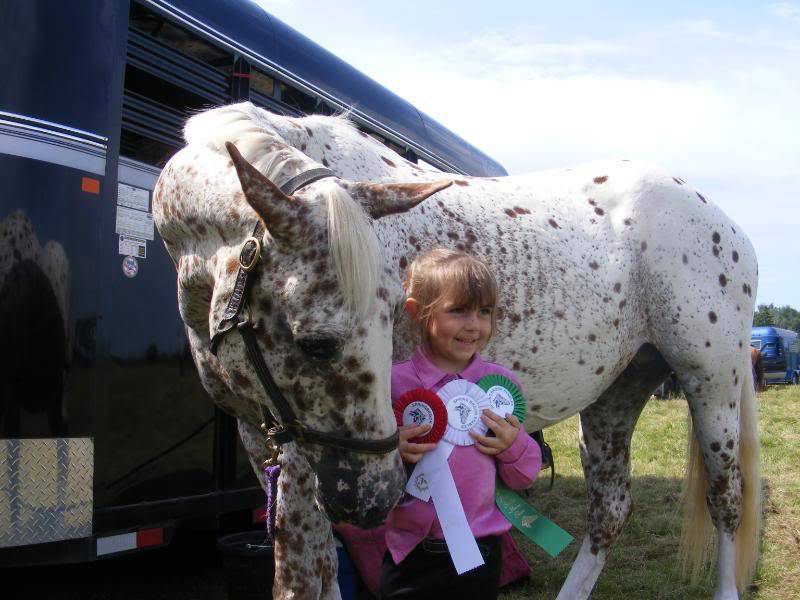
x,y
363,495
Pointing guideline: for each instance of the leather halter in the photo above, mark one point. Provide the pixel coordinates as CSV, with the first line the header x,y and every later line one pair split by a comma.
x,y
289,427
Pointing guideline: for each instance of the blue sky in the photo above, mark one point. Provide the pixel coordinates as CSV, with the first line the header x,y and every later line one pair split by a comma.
x,y
708,90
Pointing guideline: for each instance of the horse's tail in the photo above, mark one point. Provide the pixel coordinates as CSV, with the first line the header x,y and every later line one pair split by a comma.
x,y
749,533
697,536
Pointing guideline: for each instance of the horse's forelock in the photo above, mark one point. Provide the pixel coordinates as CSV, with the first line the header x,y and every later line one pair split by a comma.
x,y
352,244
353,249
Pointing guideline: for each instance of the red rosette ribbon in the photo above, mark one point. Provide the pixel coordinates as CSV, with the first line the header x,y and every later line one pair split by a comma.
x,y
420,406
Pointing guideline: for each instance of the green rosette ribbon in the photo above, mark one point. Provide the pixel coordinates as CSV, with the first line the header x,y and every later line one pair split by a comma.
x,y
505,397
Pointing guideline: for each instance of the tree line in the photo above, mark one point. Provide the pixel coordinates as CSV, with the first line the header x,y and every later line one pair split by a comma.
x,y
784,317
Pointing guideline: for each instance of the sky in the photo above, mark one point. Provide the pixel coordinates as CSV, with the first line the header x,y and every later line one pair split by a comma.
x,y
709,91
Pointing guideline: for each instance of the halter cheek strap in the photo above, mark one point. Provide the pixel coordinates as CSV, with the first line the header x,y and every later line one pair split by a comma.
x,y
288,428
250,254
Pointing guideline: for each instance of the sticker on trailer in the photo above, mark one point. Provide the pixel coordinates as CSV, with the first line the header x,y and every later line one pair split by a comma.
x,y
135,223
129,246
130,266
133,197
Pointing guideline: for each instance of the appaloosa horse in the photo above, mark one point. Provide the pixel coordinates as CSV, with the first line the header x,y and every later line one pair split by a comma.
x,y
611,274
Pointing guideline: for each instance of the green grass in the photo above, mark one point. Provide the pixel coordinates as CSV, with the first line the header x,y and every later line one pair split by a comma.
x,y
642,563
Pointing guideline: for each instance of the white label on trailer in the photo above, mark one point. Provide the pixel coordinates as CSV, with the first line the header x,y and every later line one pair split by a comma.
x,y
129,246
116,543
135,223
133,197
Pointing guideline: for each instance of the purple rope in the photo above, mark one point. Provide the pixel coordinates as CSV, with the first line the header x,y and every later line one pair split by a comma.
x,y
271,473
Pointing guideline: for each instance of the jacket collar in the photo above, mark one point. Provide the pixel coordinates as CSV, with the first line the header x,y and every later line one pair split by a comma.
x,y
430,375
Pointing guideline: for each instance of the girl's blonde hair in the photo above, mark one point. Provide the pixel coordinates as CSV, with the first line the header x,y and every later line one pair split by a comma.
x,y
440,276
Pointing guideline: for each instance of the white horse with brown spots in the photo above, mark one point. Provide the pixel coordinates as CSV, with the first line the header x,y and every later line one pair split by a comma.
x,y
611,274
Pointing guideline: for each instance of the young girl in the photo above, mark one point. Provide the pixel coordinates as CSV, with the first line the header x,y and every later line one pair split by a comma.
x,y
452,298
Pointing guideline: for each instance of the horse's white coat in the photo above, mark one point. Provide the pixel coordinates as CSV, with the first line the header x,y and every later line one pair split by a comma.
x,y
610,274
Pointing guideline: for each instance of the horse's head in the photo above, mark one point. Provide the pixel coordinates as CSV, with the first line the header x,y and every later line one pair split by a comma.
x,y
321,306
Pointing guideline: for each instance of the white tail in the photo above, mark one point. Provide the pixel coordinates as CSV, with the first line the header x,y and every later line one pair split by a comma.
x,y
697,536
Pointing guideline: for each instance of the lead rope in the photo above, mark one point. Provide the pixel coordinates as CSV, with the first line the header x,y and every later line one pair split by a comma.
x,y
272,470
271,473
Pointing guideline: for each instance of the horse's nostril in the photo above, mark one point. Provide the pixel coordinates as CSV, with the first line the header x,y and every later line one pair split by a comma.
x,y
320,348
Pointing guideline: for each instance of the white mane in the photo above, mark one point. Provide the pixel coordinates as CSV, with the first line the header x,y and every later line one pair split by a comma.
x,y
353,247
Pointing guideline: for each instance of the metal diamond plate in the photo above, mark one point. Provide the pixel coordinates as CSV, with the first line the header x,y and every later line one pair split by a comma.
x,y
45,490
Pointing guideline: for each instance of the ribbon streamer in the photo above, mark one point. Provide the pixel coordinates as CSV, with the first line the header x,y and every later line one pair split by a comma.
x,y
530,522
461,543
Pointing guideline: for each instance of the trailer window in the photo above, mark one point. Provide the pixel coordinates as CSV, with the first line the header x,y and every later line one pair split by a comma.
x,y
179,39
298,100
261,83
169,74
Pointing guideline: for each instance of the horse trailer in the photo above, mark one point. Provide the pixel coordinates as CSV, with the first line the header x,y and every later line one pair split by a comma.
x,y
108,440
780,353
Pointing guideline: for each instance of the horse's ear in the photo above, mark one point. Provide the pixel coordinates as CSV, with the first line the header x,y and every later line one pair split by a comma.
x,y
280,213
381,199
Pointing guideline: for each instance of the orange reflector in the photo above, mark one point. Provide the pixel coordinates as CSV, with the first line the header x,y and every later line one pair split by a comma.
x,y
149,537
90,185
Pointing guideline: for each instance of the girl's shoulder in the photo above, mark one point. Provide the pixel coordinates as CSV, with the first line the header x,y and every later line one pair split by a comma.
x,y
404,378
402,365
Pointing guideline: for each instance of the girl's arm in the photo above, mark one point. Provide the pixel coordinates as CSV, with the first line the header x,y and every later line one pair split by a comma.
x,y
519,464
518,456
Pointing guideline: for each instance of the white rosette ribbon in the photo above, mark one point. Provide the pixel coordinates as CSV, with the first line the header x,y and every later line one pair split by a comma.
x,y
432,478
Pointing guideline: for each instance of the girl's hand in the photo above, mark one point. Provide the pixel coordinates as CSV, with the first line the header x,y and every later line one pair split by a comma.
x,y
410,452
505,431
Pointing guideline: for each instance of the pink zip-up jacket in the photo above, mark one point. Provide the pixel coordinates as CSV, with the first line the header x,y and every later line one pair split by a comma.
x,y
413,520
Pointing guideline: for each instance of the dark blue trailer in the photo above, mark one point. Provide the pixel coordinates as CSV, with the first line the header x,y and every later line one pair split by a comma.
x,y
107,438
780,353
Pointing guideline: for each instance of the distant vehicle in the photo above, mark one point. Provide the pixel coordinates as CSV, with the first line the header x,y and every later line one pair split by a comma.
x,y
108,441
780,352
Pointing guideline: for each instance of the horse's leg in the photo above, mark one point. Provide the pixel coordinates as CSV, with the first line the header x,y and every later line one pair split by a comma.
x,y
606,430
305,555
722,404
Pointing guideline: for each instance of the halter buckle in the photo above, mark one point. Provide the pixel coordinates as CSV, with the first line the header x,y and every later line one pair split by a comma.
x,y
244,263
272,446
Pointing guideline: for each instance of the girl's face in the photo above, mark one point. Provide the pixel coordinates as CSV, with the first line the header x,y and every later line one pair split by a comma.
x,y
456,333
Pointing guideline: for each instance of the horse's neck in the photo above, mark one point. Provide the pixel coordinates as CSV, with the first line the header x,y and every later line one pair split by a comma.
x,y
350,154
406,235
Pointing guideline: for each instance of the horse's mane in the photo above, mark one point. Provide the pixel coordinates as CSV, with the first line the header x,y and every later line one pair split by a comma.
x,y
353,247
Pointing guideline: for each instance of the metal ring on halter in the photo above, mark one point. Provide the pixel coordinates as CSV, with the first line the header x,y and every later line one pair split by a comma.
x,y
247,267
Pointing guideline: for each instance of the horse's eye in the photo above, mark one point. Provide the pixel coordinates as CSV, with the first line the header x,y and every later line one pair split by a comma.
x,y
319,348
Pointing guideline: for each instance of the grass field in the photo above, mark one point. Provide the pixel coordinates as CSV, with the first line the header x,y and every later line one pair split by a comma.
x,y
642,563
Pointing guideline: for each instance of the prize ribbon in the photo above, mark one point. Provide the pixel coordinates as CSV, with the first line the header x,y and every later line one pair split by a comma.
x,y
422,407
504,396
465,404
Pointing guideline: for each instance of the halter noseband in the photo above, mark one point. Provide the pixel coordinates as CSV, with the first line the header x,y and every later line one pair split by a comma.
x,y
288,428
